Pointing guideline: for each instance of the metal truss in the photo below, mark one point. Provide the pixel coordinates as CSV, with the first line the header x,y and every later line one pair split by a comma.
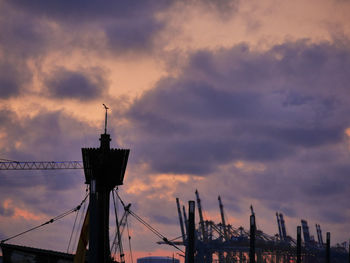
x,y
41,165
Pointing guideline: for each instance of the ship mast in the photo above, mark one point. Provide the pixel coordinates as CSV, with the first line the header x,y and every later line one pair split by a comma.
x,y
104,169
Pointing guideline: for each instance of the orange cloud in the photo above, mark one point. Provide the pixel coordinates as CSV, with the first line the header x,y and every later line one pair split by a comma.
x,y
347,132
21,213
249,166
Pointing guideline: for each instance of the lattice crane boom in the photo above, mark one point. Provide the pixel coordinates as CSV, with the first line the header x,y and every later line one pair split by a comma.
x,y
13,165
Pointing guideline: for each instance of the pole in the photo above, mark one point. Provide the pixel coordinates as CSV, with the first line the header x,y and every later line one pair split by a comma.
x,y
328,248
252,239
191,230
299,244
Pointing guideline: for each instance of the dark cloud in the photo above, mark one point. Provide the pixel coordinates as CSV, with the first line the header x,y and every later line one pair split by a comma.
x,y
90,9
9,80
82,85
133,36
22,35
22,38
127,25
242,105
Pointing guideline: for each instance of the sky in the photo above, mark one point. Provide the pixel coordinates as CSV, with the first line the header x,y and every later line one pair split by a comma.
x,y
248,100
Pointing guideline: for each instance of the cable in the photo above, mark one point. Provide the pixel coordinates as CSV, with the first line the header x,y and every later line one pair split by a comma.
x,y
70,238
129,238
82,217
48,222
118,230
153,230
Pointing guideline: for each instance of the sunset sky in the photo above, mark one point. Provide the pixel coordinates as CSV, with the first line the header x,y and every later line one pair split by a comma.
x,y
249,100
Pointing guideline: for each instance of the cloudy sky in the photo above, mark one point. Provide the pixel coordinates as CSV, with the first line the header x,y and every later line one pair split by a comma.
x,y
244,99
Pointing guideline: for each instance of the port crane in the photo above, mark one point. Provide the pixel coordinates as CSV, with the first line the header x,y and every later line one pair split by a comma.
x,y
41,165
225,243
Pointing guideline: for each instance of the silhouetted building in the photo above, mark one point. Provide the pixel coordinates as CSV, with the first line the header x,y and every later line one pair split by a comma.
x,y
157,260
20,254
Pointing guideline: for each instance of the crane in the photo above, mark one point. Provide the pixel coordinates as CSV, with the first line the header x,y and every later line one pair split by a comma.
x,y
223,218
201,220
51,165
279,226
306,233
283,227
180,220
319,235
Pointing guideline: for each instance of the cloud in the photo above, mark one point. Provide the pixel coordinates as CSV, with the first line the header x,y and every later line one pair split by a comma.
x,y
26,36
127,25
44,137
268,127
10,83
239,104
6,209
132,36
81,85
41,195
90,9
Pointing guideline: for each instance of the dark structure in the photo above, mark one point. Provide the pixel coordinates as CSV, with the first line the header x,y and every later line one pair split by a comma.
x,y
223,243
104,169
191,232
252,239
19,254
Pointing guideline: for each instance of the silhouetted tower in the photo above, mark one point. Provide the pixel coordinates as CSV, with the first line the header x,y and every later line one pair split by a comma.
x,y
104,169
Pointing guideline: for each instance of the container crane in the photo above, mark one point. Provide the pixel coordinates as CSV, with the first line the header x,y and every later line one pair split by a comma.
x,y
319,235
223,218
180,220
306,232
201,220
283,227
279,226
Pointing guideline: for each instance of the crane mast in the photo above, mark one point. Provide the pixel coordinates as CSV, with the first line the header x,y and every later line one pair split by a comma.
x,y
319,235
223,217
185,219
279,226
201,220
180,220
283,227
306,233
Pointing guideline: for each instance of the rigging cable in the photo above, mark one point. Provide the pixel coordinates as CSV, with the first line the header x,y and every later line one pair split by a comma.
x,y
47,222
70,238
118,230
153,230
129,238
82,217
78,226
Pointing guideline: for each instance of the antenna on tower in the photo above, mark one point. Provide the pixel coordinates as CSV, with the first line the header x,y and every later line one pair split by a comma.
x,y
106,108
